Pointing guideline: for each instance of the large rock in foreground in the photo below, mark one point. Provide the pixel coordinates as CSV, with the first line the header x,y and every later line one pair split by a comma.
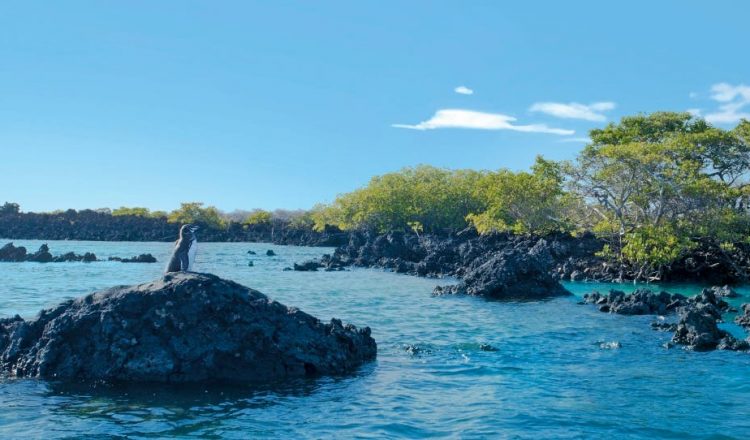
x,y
519,273
186,327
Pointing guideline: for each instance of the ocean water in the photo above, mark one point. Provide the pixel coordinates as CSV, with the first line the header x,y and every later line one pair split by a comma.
x,y
556,371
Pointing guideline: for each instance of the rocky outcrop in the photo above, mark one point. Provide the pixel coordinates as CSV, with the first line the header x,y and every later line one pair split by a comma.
x,y
697,328
308,266
185,327
646,302
326,262
743,318
640,302
724,292
457,254
143,258
518,273
11,253
698,331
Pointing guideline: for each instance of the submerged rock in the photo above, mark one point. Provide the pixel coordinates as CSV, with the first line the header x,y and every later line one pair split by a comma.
x,y
143,258
88,257
326,262
185,327
270,253
517,273
308,266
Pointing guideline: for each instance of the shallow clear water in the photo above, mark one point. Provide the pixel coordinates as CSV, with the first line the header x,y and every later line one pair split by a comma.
x,y
554,375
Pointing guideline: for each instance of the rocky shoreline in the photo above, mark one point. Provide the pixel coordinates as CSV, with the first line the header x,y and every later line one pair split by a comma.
x,y
458,254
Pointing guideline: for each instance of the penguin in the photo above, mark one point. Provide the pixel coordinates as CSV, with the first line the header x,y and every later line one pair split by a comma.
x,y
183,256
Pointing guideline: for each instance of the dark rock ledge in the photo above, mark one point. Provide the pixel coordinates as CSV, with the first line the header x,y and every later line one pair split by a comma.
x,y
185,327
519,273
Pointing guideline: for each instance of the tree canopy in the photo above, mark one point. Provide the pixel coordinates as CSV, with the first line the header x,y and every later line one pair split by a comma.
x,y
195,213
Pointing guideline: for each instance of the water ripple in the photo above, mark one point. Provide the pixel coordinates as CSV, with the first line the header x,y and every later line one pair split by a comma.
x,y
448,367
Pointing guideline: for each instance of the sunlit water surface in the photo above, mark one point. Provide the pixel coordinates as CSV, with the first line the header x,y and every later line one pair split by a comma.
x,y
555,373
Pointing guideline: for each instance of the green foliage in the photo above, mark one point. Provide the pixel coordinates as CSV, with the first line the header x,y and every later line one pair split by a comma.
x,y
656,184
435,198
195,213
521,202
259,217
140,212
649,249
137,211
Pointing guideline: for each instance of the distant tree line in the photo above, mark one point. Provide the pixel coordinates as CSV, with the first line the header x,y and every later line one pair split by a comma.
x,y
654,188
141,224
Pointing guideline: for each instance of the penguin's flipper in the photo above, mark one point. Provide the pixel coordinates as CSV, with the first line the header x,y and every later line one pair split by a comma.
x,y
184,262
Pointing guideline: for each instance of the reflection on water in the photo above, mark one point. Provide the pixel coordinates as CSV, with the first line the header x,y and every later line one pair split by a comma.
x,y
447,367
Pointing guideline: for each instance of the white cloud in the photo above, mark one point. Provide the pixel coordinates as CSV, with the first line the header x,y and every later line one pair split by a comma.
x,y
695,111
574,110
733,100
458,118
578,140
463,90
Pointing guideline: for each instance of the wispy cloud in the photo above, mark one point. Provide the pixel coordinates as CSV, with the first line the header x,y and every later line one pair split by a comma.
x,y
578,140
463,90
733,100
574,110
458,118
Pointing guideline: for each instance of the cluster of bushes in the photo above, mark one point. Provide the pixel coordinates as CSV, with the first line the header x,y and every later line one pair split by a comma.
x,y
653,187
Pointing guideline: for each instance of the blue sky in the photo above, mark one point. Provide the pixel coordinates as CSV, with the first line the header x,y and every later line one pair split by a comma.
x,y
284,104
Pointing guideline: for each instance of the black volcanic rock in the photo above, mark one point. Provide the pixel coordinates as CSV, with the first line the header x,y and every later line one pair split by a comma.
x,y
41,256
10,253
185,327
518,273
640,302
724,292
698,331
743,319
143,258
308,266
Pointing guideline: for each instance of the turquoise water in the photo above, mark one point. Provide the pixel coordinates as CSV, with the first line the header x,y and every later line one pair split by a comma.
x,y
554,374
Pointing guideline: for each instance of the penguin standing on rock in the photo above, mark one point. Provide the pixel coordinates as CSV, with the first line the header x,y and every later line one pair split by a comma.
x,y
183,256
